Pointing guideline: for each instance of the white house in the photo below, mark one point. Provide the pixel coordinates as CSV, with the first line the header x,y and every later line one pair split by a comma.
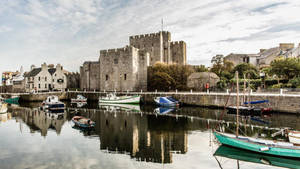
x,y
45,78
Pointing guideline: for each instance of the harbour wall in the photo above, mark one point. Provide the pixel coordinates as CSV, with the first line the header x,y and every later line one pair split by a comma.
x,y
278,102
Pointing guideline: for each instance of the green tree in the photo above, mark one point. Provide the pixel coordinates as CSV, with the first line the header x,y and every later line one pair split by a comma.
x,y
201,68
162,81
248,69
287,68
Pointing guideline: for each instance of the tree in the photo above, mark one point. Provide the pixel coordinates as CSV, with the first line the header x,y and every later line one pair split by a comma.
x,y
162,81
177,75
201,68
246,68
287,68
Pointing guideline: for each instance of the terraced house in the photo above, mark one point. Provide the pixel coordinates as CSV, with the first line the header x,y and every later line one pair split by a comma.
x,y
46,78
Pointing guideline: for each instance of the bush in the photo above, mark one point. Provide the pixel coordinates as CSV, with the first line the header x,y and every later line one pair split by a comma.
x,y
295,82
277,86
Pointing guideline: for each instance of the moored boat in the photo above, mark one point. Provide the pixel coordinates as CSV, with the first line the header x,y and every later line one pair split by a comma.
x,y
166,101
12,100
53,104
294,137
113,99
79,99
84,122
248,156
270,147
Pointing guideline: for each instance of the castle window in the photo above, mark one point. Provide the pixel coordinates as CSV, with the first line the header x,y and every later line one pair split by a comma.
x,y
115,61
46,85
106,77
125,76
39,78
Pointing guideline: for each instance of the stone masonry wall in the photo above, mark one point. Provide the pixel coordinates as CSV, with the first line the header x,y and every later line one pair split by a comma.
x,y
178,52
90,76
118,69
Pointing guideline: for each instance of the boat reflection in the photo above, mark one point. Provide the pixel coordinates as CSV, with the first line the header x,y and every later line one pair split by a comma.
x,y
163,110
5,117
248,156
120,107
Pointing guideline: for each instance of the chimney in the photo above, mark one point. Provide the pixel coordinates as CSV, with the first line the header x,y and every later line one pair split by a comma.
x,y
44,66
32,67
262,50
59,67
50,66
286,46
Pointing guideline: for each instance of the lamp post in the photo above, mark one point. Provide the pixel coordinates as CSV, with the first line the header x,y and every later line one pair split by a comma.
x,y
262,76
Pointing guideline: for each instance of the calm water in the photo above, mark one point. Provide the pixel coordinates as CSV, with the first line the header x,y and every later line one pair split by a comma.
x,y
128,137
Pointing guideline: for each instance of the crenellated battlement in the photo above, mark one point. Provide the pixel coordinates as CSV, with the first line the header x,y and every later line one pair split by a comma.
x,y
150,35
116,50
177,43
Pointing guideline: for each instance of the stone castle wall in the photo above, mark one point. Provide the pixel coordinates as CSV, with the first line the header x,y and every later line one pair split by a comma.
x,y
121,69
178,52
90,76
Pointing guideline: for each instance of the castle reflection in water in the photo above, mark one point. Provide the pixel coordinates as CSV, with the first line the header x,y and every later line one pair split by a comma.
x,y
144,137
143,134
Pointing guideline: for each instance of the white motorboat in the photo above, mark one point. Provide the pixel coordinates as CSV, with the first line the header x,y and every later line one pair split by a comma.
x,y
294,137
113,99
52,103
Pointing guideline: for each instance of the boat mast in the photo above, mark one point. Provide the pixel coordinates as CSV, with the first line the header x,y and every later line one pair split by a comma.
x,y
237,103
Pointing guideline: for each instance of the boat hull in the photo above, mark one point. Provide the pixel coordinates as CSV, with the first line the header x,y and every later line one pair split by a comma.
x,y
122,100
14,100
294,137
249,156
259,148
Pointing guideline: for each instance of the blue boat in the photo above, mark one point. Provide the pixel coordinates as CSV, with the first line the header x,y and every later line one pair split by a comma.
x,y
166,101
83,122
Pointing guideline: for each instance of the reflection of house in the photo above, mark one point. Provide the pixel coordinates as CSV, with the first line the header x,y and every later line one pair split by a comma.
x,y
41,121
198,80
265,56
134,134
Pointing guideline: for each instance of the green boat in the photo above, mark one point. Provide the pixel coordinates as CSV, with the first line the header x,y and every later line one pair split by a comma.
x,y
269,147
13,100
248,156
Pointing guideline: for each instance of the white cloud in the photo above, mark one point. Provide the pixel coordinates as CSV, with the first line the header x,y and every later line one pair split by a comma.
x,y
73,31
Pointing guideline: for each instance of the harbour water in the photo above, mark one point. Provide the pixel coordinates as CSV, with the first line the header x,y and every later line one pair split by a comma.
x,y
132,137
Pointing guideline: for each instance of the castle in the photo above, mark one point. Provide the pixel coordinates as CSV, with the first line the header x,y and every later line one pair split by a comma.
x,y
125,69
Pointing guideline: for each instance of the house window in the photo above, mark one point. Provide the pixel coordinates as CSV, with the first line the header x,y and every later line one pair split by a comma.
x,y
125,76
45,78
106,77
39,86
46,86
33,86
55,74
39,78
53,80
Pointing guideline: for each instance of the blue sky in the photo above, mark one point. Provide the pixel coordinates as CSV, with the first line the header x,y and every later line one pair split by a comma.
x,y
73,31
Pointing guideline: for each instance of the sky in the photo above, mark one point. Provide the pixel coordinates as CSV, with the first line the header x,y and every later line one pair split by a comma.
x,y
70,32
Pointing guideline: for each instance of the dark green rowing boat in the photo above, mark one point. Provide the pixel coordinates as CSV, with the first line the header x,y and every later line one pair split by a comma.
x,y
13,100
248,156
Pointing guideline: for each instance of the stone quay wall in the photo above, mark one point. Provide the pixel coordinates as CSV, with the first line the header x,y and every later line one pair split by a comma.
x,y
278,102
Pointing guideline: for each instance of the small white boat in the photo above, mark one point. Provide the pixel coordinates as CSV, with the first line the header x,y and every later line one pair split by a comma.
x,y
113,99
3,108
52,103
294,137
79,98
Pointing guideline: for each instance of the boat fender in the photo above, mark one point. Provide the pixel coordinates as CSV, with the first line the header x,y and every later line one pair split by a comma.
x,y
264,149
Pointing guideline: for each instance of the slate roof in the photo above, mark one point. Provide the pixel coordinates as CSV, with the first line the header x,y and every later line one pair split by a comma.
x,y
52,70
36,71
